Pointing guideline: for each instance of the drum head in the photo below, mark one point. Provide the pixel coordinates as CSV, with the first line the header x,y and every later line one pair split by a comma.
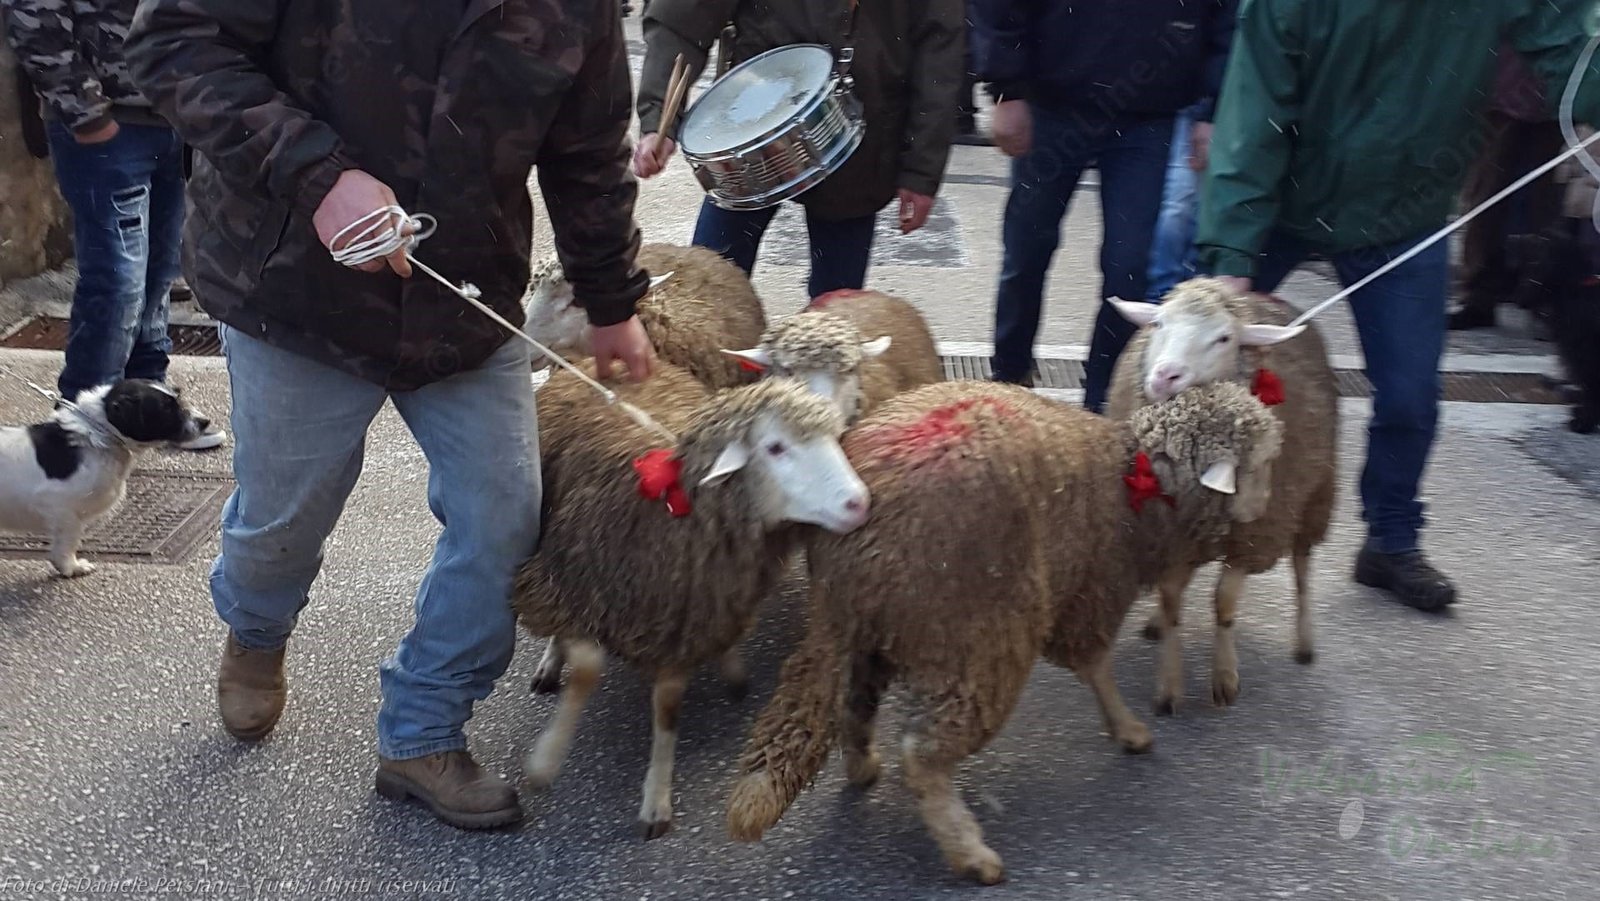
x,y
756,97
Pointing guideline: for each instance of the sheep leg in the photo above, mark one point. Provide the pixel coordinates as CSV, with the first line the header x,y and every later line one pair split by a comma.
x,y
1169,678
1303,650
930,755
1224,657
655,813
869,679
1125,728
543,764
547,675
734,675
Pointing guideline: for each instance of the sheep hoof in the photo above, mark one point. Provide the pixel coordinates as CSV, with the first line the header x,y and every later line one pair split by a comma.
x,y
1304,655
1166,706
862,769
1135,738
1152,631
546,683
654,830
1224,689
984,866
737,689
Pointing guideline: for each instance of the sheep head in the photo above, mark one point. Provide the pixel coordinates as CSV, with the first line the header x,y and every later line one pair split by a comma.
x,y
554,317
1195,337
1218,443
824,351
781,442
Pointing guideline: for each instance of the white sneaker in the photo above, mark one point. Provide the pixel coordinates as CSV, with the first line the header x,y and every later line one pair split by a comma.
x,y
212,437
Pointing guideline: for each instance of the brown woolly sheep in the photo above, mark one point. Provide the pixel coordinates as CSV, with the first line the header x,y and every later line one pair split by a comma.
x,y
959,611
1204,333
669,587
704,305
828,347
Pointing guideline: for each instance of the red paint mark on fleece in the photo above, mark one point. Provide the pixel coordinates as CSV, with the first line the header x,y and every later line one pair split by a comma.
x,y
822,300
938,430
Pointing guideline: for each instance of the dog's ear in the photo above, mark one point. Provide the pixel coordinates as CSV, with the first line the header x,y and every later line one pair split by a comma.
x,y
144,412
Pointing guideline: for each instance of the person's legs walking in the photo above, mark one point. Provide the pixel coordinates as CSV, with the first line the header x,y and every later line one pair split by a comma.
x,y
841,251
735,234
1042,184
1401,319
1132,163
148,358
1172,250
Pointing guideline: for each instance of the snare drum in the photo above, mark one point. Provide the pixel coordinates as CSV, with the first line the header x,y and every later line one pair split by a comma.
x,y
773,127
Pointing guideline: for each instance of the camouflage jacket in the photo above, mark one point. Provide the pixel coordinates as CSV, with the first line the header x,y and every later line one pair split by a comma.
x,y
909,69
449,103
71,50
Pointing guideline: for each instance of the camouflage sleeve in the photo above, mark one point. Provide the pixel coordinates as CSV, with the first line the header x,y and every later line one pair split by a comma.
x,y
42,34
195,60
588,189
672,27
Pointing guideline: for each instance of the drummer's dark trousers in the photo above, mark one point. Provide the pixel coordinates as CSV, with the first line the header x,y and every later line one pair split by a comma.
x,y
840,248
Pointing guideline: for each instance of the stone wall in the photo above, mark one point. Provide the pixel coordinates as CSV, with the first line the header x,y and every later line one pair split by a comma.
x,y
35,224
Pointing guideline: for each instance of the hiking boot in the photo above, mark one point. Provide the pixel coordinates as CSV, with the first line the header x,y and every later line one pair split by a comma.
x,y
1408,576
454,787
1468,318
250,690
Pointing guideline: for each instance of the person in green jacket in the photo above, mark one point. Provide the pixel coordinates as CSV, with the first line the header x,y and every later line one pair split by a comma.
x,y
1345,129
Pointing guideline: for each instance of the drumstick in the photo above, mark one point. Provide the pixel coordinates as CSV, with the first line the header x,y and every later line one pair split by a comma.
x,y
677,87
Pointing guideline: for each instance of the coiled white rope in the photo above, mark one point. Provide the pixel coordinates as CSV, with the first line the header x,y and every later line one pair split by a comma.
x,y
383,231
1574,148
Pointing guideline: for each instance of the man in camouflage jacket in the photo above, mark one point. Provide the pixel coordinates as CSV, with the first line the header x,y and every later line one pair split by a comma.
x,y
307,117
120,168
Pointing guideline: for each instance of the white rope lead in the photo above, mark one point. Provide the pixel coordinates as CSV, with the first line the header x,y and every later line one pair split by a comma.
x,y
382,232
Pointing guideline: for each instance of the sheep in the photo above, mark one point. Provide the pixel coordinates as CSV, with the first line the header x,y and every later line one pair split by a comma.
x,y
667,589
958,602
825,345
704,304
1204,333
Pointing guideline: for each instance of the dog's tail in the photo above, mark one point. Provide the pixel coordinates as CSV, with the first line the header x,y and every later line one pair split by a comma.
x,y
791,738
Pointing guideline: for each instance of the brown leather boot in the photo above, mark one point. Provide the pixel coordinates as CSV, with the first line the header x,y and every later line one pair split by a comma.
x,y
452,784
250,690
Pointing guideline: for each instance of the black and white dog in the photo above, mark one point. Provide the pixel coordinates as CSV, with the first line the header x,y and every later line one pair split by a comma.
x,y
59,476
1561,287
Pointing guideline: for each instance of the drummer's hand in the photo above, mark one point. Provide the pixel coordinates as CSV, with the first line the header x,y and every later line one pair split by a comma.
x,y
652,155
1012,126
626,342
914,209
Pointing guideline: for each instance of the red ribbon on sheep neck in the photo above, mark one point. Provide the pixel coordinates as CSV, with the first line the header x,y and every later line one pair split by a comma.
x,y
1143,484
660,477
1267,388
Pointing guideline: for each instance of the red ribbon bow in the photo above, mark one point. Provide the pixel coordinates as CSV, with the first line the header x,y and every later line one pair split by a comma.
x,y
1267,388
1143,485
659,477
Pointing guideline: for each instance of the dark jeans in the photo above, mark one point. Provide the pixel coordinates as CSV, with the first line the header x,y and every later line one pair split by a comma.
x,y
840,249
1401,320
126,197
1132,162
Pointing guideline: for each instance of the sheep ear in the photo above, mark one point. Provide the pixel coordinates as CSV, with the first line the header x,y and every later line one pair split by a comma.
x,y
1264,335
731,460
875,347
755,357
658,279
1220,477
1138,313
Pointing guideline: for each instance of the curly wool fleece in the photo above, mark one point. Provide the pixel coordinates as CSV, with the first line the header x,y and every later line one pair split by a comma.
x,y
812,341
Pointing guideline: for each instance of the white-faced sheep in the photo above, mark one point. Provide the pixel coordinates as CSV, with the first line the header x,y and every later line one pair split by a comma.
x,y
706,304
670,586
1205,333
1005,527
859,348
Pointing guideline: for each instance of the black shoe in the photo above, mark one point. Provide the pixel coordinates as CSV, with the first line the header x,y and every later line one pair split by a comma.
x,y
1468,318
1408,576
1025,381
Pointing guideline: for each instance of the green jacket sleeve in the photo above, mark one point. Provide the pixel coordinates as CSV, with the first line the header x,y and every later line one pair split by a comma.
x,y
1551,37
935,88
672,27
1251,143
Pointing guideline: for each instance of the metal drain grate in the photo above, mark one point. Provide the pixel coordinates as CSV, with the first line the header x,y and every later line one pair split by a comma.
x,y
1468,387
49,333
163,518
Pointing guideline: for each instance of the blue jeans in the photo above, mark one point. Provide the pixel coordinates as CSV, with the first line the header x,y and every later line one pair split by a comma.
x,y
840,248
1401,320
126,197
1132,160
1172,253
300,429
